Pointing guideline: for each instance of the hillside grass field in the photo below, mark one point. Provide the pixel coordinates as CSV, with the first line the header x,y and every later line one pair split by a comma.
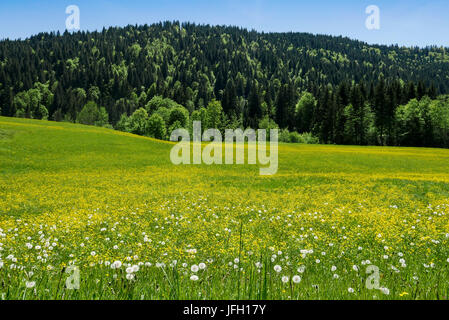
x,y
138,227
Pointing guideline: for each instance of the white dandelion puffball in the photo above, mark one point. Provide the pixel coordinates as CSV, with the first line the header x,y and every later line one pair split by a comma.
x,y
117,264
350,290
301,269
194,278
194,268
277,268
355,268
129,276
129,270
135,268
30,284
334,268
296,279
202,266
284,279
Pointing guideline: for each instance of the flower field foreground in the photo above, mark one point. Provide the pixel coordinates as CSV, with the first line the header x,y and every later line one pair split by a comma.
x,y
334,222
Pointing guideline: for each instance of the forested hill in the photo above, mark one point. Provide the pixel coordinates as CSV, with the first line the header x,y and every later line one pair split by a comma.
x,y
252,74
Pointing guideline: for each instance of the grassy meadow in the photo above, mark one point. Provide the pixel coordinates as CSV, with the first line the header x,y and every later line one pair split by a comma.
x,y
137,227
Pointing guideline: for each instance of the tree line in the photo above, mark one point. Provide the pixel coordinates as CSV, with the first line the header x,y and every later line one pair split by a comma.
x,y
151,79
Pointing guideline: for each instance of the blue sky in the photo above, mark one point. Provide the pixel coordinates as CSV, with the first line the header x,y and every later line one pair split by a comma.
x,y
405,22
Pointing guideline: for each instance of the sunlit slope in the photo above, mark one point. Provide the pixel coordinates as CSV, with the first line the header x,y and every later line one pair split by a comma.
x,y
42,145
50,146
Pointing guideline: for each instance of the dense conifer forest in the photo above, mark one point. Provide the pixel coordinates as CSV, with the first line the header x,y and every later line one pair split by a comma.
x,y
152,79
